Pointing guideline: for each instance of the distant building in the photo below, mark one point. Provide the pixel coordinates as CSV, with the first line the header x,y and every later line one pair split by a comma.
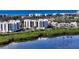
x,y
4,15
73,24
70,14
31,15
54,24
63,25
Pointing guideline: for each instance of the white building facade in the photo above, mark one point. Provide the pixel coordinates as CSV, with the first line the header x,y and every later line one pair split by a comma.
x,y
14,25
38,24
10,26
4,26
42,23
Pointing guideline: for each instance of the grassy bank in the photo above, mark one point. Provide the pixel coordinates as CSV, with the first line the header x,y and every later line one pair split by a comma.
x,y
22,36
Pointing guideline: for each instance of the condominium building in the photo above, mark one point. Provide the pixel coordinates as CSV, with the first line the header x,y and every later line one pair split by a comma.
x,y
37,24
14,25
10,26
4,26
42,23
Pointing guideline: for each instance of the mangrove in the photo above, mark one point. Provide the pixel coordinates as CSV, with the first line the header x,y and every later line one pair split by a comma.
x,y
25,36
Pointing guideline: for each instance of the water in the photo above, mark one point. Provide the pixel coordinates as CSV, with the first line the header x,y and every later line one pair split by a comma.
x,y
60,42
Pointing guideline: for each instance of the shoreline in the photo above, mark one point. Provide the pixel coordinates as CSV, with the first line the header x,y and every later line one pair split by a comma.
x,y
26,36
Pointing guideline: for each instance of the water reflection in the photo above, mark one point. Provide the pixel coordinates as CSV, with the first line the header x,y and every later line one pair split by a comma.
x,y
42,38
68,41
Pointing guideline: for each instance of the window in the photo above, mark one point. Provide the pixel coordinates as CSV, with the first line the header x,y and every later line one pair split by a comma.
x,y
9,26
31,23
41,23
1,27
45,23
17,25
25,24
4,26
36,24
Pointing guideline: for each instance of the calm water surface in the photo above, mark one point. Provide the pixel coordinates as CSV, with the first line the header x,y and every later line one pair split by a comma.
x,y
64,42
